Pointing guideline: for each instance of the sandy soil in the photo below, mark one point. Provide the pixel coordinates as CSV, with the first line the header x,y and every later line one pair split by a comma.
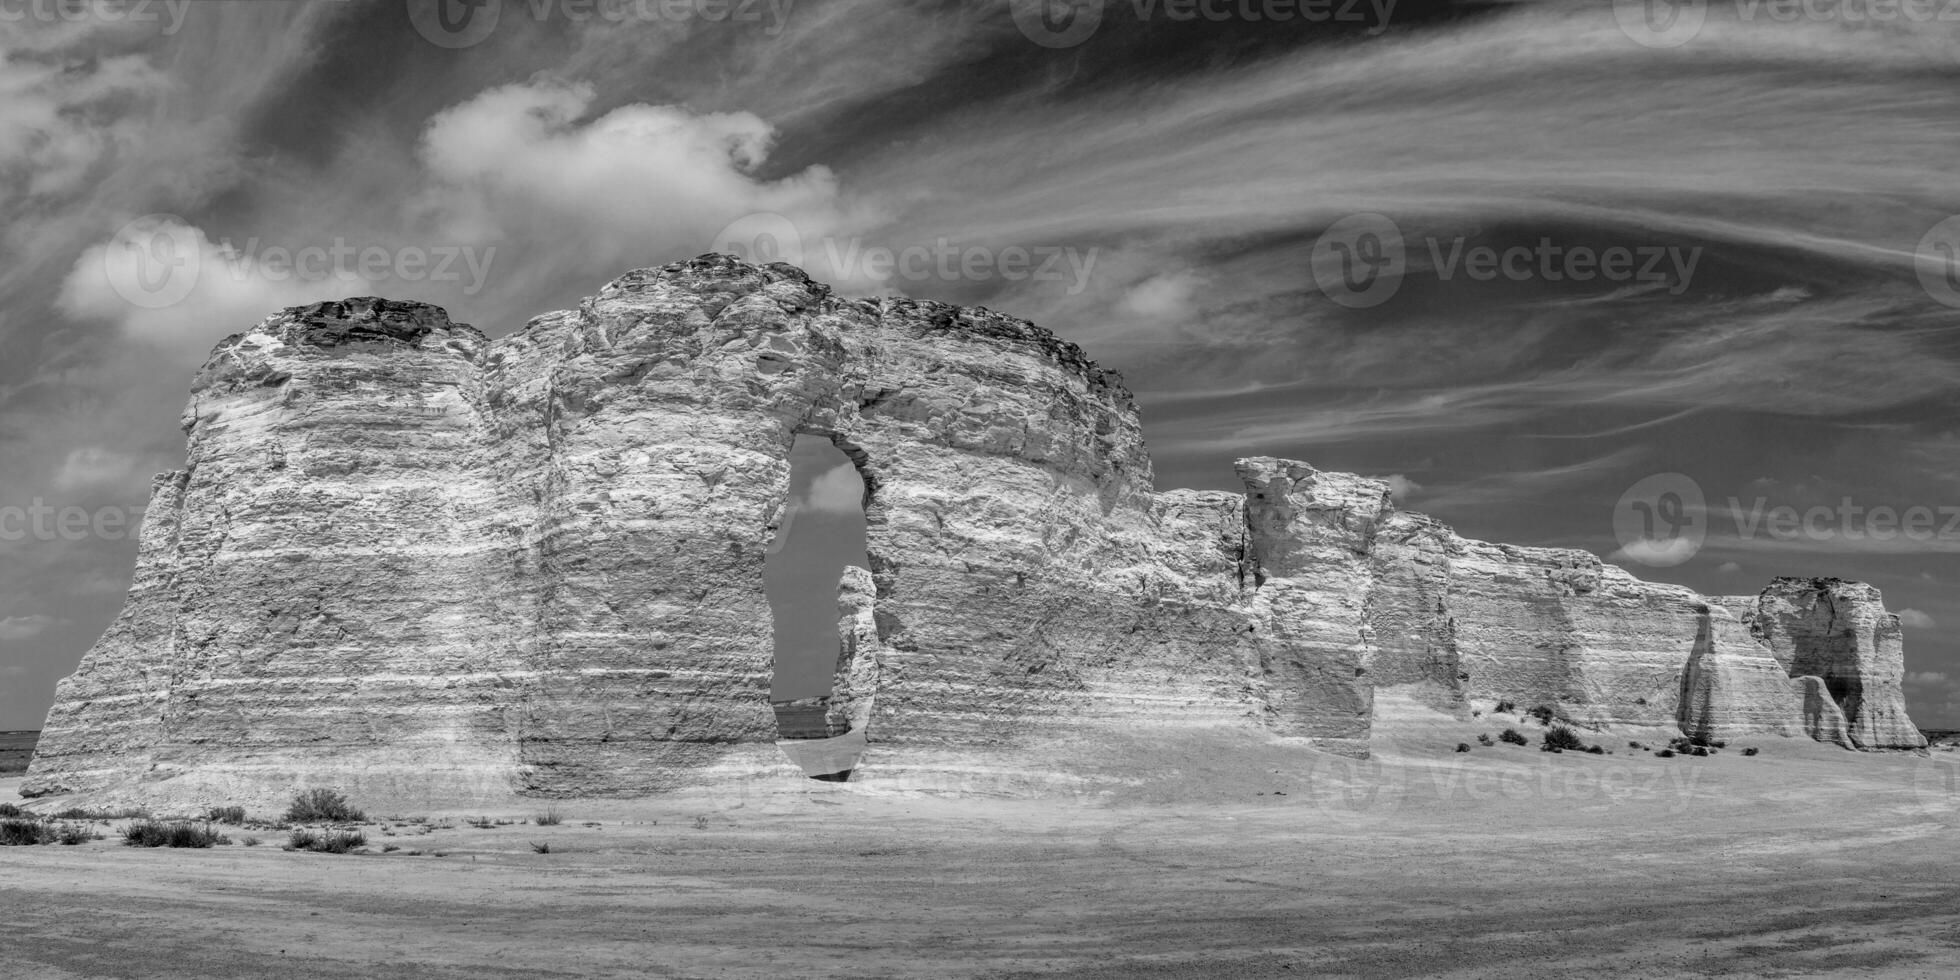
x,y
1503,862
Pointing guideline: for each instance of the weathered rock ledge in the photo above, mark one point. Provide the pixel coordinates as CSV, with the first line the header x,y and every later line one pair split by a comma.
x,y
408,560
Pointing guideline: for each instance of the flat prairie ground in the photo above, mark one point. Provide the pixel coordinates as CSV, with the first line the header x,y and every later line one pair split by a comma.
x,y
16,750
1501,862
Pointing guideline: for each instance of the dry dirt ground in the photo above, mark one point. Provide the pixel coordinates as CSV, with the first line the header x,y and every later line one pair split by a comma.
x,y
1502,862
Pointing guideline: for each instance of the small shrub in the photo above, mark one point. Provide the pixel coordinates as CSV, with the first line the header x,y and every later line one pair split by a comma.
x,y
481,823
24,833
225,814
157,833
1635,745
390,848
9,811
1701,750
326,842
251,842
549,818
1463,746
1504,708
1543,713
322,806
701,822
1596,750
1752,750
1513,736
1665,754
541,848
1561,738
1485,739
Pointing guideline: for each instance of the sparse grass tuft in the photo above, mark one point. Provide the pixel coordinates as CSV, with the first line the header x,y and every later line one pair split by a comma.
x,y
541,847
481,823
549,818
322,806
1513,736
1485,739
390,848
158,833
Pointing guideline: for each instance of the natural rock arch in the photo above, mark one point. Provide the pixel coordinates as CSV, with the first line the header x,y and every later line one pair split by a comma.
x,y
417,563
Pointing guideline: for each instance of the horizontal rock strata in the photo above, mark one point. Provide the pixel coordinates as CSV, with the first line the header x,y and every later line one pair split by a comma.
x,y
409,559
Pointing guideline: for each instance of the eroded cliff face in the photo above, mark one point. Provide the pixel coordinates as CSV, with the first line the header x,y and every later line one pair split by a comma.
x,y
410,561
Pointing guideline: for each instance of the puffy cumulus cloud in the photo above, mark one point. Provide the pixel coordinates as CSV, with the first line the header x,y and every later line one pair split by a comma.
x,y
639,184
168,285
91,467
838,490
1914,619
1660,554
1728,568
1401,488
1929,678
24,627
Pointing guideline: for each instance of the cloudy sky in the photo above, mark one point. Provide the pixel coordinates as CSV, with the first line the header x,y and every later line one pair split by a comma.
x,y
1570,275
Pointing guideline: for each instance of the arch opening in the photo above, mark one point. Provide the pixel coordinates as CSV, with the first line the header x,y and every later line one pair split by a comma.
x,y
820,535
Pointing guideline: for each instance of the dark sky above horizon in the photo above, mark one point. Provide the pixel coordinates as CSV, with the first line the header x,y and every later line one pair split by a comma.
x,y
1550,280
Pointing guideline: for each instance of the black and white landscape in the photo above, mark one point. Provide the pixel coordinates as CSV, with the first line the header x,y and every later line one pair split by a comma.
x,y
1158,488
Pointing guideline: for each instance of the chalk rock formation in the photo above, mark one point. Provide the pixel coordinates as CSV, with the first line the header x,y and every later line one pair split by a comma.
x,y
411,562
1839,632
